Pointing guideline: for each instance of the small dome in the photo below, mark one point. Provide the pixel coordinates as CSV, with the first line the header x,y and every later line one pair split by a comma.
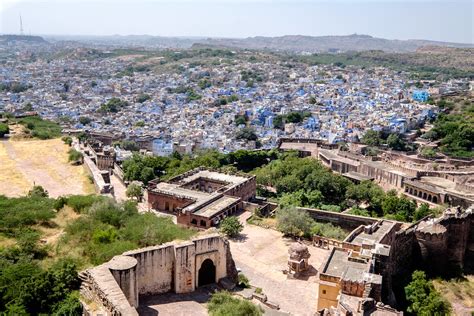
x,y
298,251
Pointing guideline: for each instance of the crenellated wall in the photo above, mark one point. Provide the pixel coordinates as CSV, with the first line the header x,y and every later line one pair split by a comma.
x,y
117,284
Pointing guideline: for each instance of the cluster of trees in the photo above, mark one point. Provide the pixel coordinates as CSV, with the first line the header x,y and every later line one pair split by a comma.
x,y
241,120
292,117
224,304
39,128
394,141
15,87
114,105
107,228
145,168
423,298
455,130
306,182
298,223
26,287
39,279
246,133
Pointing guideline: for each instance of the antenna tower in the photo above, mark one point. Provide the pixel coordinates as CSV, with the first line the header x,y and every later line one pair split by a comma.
x,y
21,26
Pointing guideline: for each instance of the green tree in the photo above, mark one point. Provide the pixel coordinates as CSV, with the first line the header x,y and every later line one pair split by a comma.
x,y
247,134
143,97
67,140
84,120
294,222
4,129
395,142
371,138
423,298
134,191
312,100
231,226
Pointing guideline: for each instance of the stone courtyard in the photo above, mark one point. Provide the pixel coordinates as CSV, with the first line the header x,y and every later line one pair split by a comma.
x,y
262,255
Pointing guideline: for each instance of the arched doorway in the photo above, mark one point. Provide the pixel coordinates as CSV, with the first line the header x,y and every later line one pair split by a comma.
x,y
207,273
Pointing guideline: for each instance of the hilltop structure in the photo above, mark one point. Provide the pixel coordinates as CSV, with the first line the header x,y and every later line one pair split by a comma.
x,y
441,181
201,197
363,273
113,288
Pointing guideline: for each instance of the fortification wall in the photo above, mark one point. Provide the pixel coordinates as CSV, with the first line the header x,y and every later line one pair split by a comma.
x,y
117,284
346,221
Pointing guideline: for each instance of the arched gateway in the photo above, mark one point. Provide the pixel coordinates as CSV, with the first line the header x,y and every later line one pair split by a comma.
x,y
207,273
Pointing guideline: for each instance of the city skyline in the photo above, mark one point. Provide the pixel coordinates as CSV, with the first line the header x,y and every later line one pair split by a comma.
x,y
449,21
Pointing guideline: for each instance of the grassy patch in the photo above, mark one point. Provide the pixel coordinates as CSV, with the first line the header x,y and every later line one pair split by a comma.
x,y
40,128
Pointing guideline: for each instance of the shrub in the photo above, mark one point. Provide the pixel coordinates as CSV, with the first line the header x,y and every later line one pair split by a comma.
x,y
231,226
294,222
243,281
74,155
80,203
224,304
67,140
38,191
328,230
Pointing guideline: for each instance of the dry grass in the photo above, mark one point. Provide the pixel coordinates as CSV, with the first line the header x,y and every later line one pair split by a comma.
x,y
41,162
459,292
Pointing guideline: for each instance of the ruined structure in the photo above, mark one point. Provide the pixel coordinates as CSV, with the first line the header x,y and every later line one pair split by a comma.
x,y
201,197
116,286
375,261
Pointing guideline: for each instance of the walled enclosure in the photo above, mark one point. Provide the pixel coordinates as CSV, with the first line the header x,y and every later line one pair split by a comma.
x,y
173,267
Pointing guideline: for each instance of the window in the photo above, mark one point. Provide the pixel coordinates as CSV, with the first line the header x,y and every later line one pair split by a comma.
x,y
324,291
203,223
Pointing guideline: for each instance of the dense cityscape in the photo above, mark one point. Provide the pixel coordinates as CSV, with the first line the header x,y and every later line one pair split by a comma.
x,y
267,175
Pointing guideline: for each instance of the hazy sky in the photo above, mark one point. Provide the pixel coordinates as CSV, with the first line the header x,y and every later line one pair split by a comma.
x,y
448,20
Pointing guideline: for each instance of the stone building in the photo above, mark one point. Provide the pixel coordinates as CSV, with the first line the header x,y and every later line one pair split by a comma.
x,y
298,255
201,198
115,286
374,261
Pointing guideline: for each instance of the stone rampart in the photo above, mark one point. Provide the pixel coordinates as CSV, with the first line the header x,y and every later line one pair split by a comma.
x,y
174,267
347,221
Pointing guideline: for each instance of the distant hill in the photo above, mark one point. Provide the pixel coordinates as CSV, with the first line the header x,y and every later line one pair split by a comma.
x,y
315,44
5,39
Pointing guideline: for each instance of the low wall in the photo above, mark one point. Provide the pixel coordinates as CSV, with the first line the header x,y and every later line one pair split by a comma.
x,y
343,220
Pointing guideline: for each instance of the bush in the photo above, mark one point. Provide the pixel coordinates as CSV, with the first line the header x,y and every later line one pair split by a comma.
x,y
4,129
294,222
224,304
38,191
80,203
40,128
328,230
67,140
231,226
243,281
17,213
74,155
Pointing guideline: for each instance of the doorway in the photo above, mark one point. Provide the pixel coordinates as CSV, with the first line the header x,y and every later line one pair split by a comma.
x,y
207,273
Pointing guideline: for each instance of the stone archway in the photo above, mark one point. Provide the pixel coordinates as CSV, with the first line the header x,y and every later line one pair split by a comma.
x,y
207,273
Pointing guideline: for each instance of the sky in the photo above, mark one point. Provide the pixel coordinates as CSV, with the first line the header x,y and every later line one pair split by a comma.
x,y
442,20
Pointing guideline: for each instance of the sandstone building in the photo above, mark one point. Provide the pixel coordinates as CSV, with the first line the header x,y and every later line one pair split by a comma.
x,y
115,287
201,197
363,273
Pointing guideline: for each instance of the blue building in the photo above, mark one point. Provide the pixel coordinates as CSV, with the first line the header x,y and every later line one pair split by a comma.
x,y
421,96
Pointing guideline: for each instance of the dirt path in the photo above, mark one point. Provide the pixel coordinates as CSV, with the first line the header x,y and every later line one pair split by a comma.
x,y
41,162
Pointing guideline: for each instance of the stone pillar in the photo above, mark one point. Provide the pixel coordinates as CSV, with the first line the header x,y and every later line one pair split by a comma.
x,y
124,270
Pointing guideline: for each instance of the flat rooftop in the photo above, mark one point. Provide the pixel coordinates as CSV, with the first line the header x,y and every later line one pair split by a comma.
x,y
216,206
176,189
374,237
357,176
338,263
213,175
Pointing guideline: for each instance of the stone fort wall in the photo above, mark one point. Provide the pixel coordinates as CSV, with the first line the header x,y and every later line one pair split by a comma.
x,y
174,267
